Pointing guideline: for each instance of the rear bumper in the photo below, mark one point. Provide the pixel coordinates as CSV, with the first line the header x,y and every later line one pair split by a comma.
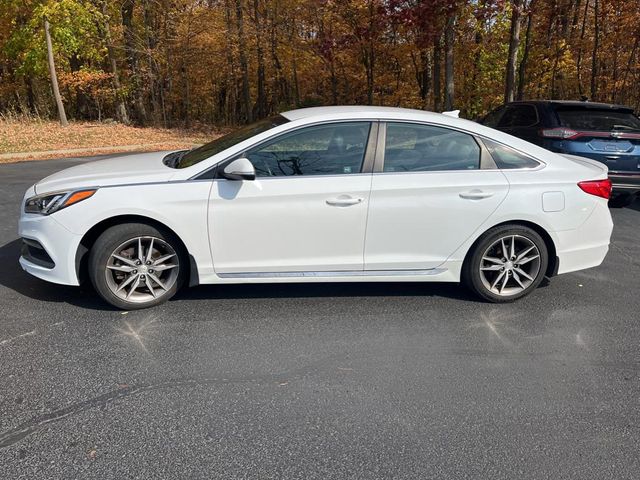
x,y
625,182
586,246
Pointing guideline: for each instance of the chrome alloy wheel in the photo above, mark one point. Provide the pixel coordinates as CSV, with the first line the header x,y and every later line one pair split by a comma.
x,y
142,269
510,265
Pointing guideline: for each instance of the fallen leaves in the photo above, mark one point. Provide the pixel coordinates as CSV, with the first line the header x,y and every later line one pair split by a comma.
x,y
41,137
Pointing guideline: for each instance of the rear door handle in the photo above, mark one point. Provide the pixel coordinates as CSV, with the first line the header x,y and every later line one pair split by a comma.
x,y
343,201
476,194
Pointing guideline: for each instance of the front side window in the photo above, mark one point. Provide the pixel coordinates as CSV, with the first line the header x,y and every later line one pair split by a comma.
x,y
519,116
493,117
330,149
424,148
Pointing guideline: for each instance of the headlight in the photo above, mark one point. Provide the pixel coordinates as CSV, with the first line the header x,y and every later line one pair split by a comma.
x,y
52,202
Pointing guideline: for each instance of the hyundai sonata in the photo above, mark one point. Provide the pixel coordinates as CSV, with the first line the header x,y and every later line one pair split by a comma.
x,y
327,194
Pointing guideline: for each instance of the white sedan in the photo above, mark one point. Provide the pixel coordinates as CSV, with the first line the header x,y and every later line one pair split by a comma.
x,y
328,194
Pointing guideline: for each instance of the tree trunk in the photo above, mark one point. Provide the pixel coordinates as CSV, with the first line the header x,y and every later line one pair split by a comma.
x,y
579,60
132,60
449,37
437,67
575,20
296,83
121,108
229,101
369,53
261,101
512,57
630,64
596,45
54,77
525,55
244,66
423,74
153,75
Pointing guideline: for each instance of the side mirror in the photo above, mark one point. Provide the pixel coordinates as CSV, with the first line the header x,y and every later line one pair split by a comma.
x,y
239,169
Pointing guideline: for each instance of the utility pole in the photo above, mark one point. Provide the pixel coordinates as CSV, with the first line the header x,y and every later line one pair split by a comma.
x,y
54,77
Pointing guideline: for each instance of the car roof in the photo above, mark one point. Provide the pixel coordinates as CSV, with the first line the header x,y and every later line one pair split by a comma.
x,y
355,111
573,103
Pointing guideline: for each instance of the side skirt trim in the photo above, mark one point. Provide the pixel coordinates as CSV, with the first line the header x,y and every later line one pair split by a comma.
x,y
339,273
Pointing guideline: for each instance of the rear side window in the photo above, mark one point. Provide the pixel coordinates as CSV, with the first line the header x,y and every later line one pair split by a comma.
x,y
424,148
519,116
582,118
508,158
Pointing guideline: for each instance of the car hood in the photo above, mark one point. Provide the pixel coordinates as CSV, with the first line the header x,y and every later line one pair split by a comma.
x,y
122,170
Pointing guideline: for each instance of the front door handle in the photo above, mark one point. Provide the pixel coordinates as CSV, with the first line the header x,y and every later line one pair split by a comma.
x,y
343,201
476,194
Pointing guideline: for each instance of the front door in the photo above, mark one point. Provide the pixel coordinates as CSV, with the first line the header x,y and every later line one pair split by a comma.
x,y
305,211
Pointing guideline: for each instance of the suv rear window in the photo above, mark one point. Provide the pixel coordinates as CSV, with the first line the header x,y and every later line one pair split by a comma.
x,y
581,118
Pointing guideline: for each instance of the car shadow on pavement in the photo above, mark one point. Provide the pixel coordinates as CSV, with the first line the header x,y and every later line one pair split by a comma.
x,y
635,205
13,277
326,289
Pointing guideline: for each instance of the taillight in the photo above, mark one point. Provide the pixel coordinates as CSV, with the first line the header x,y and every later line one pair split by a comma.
x,y
560,133
599,188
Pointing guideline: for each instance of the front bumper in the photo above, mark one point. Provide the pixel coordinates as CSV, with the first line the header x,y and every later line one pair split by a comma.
x,y
59,244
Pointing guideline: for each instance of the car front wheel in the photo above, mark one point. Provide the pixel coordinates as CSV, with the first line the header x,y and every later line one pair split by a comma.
x,y
507,263
135,266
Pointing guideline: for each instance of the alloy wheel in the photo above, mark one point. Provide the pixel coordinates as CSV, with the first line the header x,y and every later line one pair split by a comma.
x,y
142,269
510,265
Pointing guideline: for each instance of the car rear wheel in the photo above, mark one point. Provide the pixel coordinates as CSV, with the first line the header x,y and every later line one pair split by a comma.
x,y
507,263
135,266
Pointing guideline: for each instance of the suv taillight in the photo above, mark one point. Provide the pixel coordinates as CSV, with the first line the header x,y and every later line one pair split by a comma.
x,y
599,188
560,133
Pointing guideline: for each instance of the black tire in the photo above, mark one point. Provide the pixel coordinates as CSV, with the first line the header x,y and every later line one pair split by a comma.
x,y
115,236
621,200
471,275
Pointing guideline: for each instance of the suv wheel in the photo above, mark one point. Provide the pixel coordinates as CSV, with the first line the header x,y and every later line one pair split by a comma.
x,y
621,200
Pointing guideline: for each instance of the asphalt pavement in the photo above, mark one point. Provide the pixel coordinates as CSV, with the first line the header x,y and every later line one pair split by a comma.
x,y
367,381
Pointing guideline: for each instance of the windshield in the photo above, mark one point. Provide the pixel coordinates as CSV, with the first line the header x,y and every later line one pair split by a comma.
x,y
604,120
191,157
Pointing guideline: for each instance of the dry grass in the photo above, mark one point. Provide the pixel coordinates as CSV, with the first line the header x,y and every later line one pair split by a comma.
x,y
31,139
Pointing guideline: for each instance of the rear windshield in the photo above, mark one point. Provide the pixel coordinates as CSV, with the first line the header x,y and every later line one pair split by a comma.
x,y
188,158
606,120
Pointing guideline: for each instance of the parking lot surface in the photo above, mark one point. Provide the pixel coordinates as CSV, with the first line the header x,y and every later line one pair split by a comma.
x,y
320,381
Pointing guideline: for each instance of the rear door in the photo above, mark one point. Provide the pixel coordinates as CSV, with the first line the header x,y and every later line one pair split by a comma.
x,y
429,194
